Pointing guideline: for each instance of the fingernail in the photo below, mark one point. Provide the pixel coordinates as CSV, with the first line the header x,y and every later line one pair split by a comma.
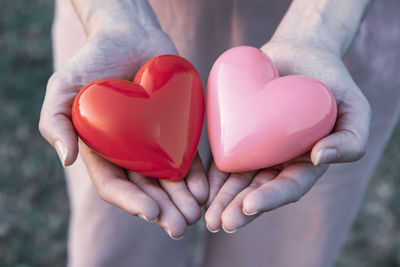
x,y
213,231
249,214
144,218
174,238
326,155
227,231
61,151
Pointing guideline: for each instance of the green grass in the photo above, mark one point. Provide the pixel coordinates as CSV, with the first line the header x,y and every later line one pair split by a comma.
x,y
33,200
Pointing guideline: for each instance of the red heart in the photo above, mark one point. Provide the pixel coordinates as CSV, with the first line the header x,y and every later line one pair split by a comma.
x,y
151,125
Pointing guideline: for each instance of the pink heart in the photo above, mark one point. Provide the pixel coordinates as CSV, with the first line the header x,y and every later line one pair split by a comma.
x,y
256,119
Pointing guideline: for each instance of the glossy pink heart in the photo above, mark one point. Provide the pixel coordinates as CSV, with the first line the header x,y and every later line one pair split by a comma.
x,y
256,119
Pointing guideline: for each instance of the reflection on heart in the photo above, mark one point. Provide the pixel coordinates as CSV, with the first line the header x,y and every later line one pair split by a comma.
x,y
151,125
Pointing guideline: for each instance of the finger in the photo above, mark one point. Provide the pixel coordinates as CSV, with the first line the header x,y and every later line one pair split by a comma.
x,y
55,119
183,199
216,179
233,185
196,181
170,217
289,186
113,186
233,216
349,140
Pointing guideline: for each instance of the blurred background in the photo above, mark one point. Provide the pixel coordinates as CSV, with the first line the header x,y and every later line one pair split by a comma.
x,y
33,200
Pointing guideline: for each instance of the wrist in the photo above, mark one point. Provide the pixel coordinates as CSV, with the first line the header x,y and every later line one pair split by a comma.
x,y
307,39
322,24
129,16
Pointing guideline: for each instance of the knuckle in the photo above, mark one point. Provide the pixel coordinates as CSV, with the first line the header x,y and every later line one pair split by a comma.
x,y
360,152
368,109
225,196
60,79
255,184
366,105
42,127
216,180
160,196
238,176
194,216
102,194
54,80
180,191
241,176
144,182
42,124
195,169
358,144
102,190
295,198
219,176
264,177
295,190
130,196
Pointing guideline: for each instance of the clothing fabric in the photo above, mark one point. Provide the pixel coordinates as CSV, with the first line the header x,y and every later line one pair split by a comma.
x,y
307,233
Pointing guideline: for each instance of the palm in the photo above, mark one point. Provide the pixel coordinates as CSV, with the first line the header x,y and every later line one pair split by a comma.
x,y
237,198
172,205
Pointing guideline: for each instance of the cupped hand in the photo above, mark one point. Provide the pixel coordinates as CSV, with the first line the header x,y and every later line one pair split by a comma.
x,y
235,199
118,54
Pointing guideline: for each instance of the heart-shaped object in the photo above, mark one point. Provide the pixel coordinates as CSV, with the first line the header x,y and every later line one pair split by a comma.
x,y
151,125
256,119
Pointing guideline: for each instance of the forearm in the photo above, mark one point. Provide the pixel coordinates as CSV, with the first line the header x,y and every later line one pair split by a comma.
x,y
327,23
99,14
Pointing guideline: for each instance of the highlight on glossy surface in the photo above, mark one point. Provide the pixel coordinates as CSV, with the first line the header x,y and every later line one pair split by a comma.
x,y
152,125
256,119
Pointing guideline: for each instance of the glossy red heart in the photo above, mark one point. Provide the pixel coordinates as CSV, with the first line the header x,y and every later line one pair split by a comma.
x,y
151,125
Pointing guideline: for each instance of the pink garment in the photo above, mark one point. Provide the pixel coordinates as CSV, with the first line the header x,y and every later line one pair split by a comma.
x,y
307,233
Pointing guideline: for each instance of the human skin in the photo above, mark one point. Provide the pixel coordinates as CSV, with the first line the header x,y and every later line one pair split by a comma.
x,y
121,36
310,40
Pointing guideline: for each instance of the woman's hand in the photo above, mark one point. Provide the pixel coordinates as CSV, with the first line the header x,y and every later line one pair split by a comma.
x,y
117,50
237,198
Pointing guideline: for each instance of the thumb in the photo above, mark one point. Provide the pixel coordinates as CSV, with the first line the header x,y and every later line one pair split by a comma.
x,y
349,141
55,123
